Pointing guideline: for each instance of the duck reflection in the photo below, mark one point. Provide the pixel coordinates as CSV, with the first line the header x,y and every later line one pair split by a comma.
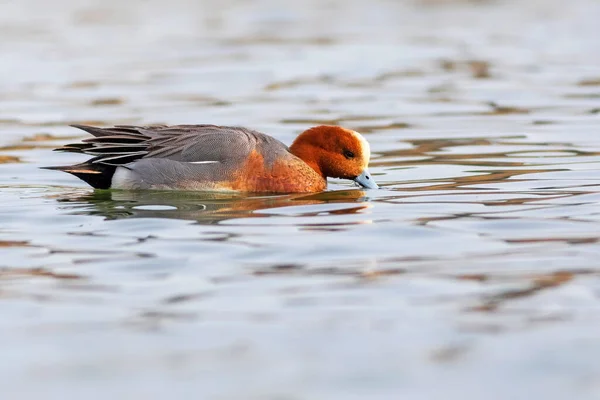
x,y
206,208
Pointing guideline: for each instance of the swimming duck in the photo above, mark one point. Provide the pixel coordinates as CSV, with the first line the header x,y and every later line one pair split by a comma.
x,y
218,158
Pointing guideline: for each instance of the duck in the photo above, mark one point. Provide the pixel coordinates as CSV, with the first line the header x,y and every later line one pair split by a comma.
x,y
218,158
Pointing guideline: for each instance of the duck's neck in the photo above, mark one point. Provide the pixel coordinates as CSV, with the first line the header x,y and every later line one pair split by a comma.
x,y
307,153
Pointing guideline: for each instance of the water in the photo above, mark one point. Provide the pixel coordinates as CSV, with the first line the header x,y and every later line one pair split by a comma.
x,y
473,272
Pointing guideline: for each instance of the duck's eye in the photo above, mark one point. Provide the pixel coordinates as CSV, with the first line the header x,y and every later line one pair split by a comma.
x,y
348,154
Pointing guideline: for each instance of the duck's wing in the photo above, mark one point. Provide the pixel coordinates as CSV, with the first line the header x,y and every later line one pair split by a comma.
x,y
123,144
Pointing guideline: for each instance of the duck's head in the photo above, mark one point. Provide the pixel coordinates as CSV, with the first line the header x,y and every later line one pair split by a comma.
x,y
335,152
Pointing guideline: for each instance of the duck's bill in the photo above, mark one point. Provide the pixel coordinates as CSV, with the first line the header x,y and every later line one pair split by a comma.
x,y
366,180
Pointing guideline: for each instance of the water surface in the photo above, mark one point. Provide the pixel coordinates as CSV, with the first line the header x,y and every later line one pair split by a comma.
x,y
473,273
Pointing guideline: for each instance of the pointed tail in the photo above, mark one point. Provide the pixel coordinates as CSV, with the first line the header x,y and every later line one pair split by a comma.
x,y
97,175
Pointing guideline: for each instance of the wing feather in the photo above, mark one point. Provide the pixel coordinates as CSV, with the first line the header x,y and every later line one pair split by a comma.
x,y
123,144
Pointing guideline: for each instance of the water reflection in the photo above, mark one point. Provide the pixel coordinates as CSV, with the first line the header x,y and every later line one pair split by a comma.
x,y
503,151
205,208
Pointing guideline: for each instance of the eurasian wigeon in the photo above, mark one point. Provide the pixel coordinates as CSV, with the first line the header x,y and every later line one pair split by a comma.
x,y
219,158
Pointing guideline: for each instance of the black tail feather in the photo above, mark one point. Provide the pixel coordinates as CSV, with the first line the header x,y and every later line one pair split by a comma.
x,y
98,175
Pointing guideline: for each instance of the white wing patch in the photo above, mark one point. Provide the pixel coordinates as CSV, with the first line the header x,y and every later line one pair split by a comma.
x,y
202,162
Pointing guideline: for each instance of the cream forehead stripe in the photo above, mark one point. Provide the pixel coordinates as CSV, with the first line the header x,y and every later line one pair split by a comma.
x,y
366,148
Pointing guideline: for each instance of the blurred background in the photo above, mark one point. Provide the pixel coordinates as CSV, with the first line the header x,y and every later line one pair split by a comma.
x,y
472,274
